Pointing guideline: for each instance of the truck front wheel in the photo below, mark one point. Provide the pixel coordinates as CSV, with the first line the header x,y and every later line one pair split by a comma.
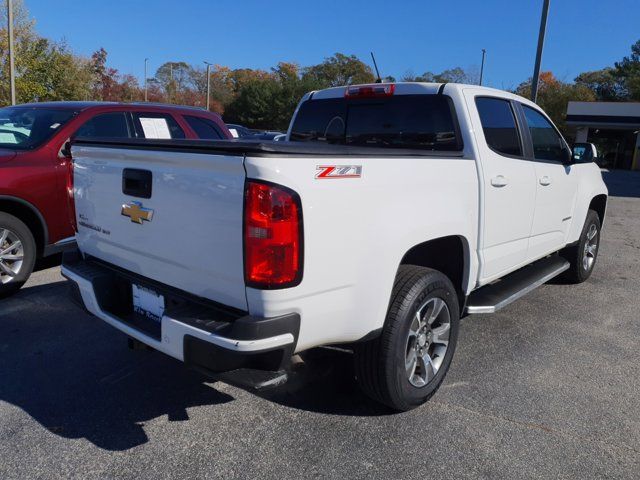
x,y
582,257
17,254
404,366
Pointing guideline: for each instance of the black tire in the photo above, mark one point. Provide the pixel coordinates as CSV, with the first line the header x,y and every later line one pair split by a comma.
x,y
24,235
380,363
579,270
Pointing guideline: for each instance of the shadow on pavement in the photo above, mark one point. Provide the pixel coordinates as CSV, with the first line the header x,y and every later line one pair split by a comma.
x,y
75,375
48,262
622,183
77,378
325,383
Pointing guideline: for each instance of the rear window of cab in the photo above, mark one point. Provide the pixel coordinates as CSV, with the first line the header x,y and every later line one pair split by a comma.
x,y
422,122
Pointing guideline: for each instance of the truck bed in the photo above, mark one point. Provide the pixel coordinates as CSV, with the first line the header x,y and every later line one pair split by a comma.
x,y
261,148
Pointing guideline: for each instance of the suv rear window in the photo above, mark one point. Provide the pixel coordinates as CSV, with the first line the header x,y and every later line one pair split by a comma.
x,y
204,128
425,122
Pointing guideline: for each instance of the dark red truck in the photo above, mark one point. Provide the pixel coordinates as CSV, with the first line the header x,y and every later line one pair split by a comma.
x,y
37,217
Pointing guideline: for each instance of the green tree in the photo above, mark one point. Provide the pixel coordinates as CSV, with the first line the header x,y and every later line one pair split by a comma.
x,y
268,100
45,70
176,78
604,83
451,75
628,72
339,70
254,104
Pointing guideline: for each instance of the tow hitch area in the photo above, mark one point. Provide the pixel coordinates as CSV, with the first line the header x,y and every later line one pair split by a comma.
x,y
250,378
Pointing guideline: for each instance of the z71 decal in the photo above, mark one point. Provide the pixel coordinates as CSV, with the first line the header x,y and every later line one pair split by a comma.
x,y
338,171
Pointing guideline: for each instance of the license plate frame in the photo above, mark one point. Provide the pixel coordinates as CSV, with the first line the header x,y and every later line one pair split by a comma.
x,y
147,302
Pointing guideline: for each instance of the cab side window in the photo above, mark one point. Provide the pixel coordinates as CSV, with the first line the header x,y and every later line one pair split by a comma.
x,y
499,125
105,125
547,143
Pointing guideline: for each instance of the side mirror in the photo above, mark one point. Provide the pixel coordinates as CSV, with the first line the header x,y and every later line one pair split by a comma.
x,y
584,153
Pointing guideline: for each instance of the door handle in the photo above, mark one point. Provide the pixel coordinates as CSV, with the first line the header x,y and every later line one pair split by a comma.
x,y
499,181
545,181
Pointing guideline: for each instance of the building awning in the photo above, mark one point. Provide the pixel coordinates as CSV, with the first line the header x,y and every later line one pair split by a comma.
x,y
622,115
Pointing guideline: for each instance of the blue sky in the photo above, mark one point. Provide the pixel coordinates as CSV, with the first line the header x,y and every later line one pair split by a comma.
x,y
405,35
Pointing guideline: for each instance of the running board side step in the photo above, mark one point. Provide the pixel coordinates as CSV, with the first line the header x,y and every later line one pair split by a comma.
x,y
499,294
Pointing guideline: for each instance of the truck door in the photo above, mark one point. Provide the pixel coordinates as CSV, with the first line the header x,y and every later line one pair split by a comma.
x,y
556,185
508,184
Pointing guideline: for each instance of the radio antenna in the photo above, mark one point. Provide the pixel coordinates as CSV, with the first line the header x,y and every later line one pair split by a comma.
x,y
378,80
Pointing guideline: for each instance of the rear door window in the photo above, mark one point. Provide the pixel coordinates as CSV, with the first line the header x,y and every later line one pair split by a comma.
x,y
106,125
204,127
157,125
425,122
499,125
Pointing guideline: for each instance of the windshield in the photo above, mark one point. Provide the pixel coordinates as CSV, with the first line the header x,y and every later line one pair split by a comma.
x,y
24,128
425,122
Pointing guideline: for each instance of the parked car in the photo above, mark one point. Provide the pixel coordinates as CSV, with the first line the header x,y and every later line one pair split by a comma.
x,y
36,207
393,210
239,131
268,135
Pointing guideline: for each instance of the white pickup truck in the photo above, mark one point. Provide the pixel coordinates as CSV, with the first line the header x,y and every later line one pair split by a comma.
x,y
391,211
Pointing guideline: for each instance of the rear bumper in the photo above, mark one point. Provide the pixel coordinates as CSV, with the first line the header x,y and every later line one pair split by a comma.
x,y
207,336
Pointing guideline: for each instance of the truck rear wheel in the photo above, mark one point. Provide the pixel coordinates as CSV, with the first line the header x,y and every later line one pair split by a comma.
x,y
582,257
404,366
17,254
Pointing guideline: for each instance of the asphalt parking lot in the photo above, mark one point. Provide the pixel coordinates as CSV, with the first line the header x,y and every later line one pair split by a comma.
x,y
547,388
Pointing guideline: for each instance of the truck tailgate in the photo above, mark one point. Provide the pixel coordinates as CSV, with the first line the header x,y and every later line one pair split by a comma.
x,y
187,234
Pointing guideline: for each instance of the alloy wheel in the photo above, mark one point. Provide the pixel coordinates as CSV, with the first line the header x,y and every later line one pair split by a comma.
x,y
427,341
11,255
590,248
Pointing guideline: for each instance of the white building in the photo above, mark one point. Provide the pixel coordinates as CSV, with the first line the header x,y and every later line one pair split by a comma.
x,y
614,127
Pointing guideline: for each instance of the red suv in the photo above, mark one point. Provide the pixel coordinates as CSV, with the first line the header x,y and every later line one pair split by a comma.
x,y
36,200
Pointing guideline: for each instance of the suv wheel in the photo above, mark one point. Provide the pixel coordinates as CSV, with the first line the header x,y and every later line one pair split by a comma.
x,y
17,254
406,364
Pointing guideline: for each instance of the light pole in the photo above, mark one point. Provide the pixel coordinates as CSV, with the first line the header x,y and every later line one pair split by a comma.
x,y
208,82
12,72
482,66
536,69
145,79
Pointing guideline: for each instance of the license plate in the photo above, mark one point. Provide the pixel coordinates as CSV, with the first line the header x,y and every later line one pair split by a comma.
x,y
147,302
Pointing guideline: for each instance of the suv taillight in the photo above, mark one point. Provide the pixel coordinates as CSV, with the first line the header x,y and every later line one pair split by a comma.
x,y
70,200
272,236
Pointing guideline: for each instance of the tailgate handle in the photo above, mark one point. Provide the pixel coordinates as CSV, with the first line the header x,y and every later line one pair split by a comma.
x,y
136,182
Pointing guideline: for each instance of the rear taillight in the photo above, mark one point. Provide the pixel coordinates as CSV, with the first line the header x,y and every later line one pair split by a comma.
x,y
272,236
368,91
70,200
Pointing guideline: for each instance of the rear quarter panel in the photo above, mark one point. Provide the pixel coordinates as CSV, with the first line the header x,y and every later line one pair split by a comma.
x,y
356,231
